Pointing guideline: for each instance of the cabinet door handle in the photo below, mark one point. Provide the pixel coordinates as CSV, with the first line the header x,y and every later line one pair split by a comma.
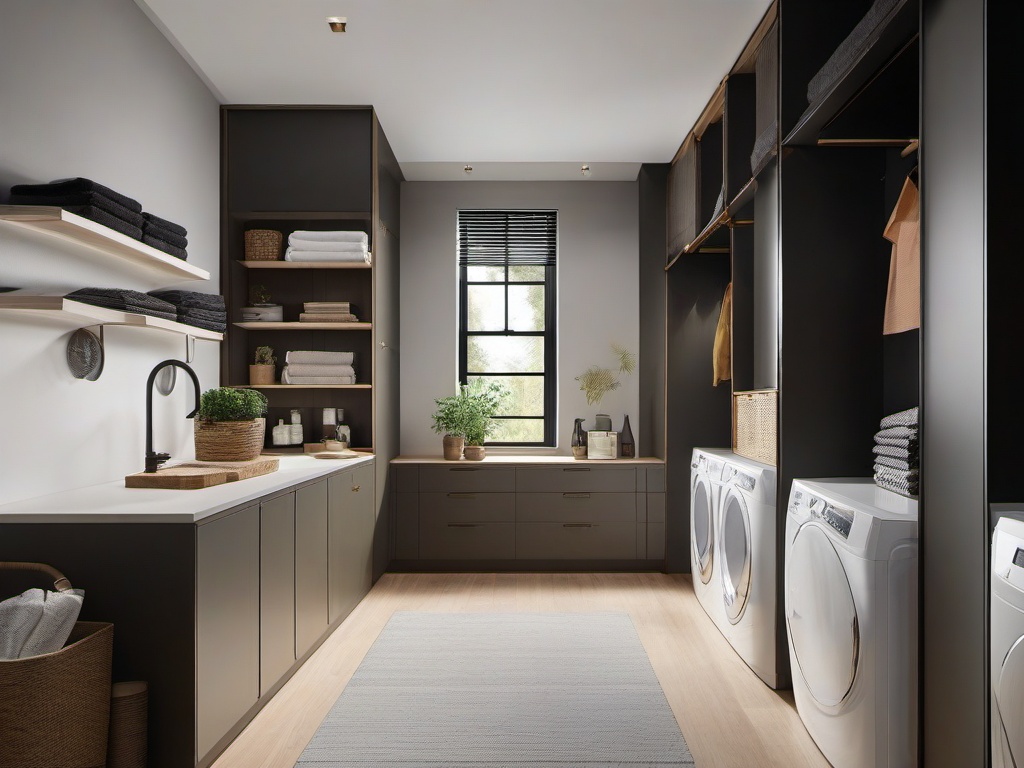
x,y
462,469
578,525
356,488
461,495
463,525
575,495
576,469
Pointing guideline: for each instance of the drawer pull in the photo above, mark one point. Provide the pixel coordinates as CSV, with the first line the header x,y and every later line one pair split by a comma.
x,y
578,525
576,469
463,525
462,469
575,495
356,488
461,495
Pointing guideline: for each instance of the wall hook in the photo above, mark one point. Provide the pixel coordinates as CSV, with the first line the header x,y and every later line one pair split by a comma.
x,y
190,348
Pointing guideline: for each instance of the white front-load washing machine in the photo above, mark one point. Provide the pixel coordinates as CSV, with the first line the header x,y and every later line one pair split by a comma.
x,y
851,616
747,539
705,483
1007,640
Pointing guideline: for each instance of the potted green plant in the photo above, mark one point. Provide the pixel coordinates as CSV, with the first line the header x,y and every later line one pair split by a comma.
x,y
466,418
229,425
485,402
263,370
260,308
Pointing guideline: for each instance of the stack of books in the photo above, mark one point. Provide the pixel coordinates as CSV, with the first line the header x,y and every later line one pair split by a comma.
x,y
327,312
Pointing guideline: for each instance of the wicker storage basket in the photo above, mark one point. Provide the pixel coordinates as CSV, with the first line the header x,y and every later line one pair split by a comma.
x,y
55,708
755,425
263,245
229,440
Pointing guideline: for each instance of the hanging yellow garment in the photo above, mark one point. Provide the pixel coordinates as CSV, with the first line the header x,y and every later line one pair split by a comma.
x,y
722,355
903,300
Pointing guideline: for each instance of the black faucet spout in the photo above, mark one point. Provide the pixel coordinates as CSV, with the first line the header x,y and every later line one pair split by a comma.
x,y
154,460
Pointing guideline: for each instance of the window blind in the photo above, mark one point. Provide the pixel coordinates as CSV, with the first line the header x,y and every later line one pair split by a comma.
x,y
497,238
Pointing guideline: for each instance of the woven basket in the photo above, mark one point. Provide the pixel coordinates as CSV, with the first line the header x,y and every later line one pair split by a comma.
x,y
263,245
126,747
55,708
229,440
755,425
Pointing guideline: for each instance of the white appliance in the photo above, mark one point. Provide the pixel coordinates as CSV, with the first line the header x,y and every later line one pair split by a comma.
x,y
1007,638
747,537
705,483
851,616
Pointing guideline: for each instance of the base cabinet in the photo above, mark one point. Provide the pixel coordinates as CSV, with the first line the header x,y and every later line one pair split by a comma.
x,y
350,527
311,572
277,589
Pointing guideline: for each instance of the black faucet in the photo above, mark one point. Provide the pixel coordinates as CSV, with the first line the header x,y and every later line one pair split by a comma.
x,y
154,460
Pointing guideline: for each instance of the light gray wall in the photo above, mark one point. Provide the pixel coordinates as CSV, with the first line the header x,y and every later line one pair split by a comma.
x,y
598,293
92,89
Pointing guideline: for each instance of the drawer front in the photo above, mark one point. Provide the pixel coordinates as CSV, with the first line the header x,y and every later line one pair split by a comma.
x,y
576,479
436,478
576,507
467,541
576,541
467,507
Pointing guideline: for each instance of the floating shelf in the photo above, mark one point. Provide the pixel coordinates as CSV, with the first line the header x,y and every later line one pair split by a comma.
x,y
305,264
64,225
888,41
303,215
274,326
87,314
302,386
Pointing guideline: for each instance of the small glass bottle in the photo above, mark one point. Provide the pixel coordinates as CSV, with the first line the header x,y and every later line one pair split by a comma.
x,y
296,427
343,431
627,448
329,424
579,440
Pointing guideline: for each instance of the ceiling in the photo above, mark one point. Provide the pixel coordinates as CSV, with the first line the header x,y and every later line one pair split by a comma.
x,y
520,89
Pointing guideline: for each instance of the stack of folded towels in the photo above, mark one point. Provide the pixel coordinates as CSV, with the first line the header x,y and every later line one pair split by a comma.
x,y
126,301
344,245
201,310
327,312
103,205
897,461
311,367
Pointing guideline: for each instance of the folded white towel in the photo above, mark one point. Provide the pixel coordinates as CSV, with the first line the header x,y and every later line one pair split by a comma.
x,y
298,244
37,622
286,378
331,236
315,357
319,369
354,256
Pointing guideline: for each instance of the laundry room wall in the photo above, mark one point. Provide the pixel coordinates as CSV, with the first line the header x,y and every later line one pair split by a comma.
x,y
598,294
92,88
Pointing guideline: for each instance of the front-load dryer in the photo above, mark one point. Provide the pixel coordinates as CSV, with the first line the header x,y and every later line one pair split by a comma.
x,y
1007,640
705,482
851,617
747,539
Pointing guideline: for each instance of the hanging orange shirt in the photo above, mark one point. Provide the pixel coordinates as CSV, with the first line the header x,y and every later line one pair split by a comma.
x,y
903,300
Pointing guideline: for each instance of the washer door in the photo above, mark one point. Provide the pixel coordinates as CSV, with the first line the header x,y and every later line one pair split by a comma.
x,y
1010,703
821,616
734,548
702,527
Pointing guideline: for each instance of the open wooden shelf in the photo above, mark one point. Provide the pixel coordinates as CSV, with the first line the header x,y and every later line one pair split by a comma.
x,y
289,326
303,215
87,314
305,264
64,225
893,35
302,386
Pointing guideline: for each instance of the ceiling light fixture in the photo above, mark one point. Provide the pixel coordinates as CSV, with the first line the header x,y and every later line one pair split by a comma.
x,y
337,23
468,169
585,169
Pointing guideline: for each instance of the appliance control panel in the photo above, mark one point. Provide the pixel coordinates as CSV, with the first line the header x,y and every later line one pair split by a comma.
x,y
1018,558
837,518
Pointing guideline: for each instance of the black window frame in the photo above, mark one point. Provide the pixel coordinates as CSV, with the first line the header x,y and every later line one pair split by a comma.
x,y
549,334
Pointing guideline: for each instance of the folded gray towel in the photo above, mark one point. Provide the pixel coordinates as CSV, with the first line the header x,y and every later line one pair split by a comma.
x,y
907,418
165,224
37,621
192,299
894,463
910,491
163,245
910,475
314,357
314,369
209,315
899,442
83,199
71,186
211,325
125,300
158,232
895,452
898,432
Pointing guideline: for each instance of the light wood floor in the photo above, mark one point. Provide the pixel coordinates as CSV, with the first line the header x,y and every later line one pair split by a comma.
x,y
728,716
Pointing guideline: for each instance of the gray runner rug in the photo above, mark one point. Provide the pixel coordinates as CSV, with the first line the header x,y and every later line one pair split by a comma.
x,y
543,690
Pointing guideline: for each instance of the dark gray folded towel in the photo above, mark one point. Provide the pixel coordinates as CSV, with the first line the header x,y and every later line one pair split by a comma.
x,y
209,325
163,245
910,475
213,316
73,186
95,199
165,224
125,300
909,443
894,463
910,491
172,238
906,434
907,418
896,452
108,220
191,299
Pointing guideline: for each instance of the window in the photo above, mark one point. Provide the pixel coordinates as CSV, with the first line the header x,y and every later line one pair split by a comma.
x,y
507,316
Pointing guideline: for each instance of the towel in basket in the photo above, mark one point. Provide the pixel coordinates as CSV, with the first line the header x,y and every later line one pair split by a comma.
x,y
39,621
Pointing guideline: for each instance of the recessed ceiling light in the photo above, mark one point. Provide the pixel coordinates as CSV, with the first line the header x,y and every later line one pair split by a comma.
x,y
337,23
468,169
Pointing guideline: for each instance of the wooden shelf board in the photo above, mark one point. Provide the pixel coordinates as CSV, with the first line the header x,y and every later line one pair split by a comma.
x,y
305,264
87,314
290,326
303,215
302,386
64,225
898,29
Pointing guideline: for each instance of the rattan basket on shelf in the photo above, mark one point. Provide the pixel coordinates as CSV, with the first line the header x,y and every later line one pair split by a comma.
x,y
755,427
55,708
263,245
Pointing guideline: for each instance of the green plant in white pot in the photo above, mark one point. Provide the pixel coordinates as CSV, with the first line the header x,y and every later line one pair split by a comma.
x,y
229,425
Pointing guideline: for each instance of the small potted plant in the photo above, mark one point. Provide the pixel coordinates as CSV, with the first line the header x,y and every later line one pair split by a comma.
x,y
484,404
260,308
229,425
465,418
262,371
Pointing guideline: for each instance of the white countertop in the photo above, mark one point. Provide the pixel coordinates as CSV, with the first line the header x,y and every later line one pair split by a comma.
x,y
529,459
113,503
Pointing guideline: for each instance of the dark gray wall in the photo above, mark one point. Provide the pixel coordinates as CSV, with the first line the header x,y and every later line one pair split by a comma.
x,y
954,528
652,191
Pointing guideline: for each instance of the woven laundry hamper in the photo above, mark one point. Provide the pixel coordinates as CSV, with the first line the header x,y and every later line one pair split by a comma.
x,y
755,428
55,708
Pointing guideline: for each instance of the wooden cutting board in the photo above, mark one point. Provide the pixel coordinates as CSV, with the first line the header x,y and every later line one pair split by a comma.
x,y
193,475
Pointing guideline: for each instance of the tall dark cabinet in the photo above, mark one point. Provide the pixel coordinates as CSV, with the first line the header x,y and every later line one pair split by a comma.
x,y
316,168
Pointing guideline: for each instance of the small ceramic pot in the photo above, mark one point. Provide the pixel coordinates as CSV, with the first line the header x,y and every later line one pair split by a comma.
x,y
453,447
474,452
